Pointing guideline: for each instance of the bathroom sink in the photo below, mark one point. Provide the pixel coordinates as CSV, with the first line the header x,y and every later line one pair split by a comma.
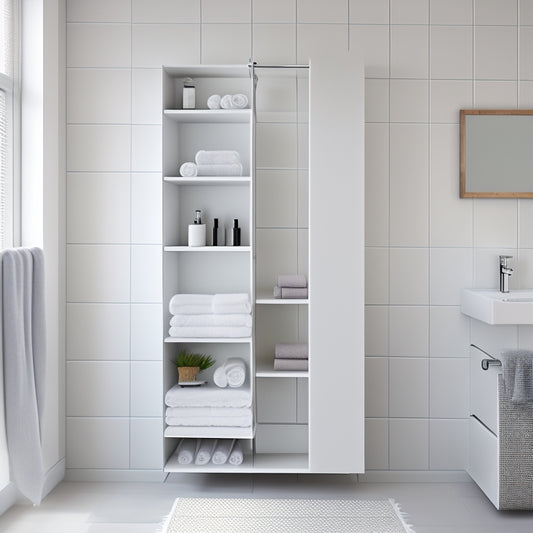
x,y
494,307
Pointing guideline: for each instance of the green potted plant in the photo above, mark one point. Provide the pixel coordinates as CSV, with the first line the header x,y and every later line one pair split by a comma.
x,y
189,364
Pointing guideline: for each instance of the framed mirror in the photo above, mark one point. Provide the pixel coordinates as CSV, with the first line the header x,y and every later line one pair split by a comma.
x,y
496,153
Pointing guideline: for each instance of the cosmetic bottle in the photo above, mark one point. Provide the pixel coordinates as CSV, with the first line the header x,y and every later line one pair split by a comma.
x,y
189,91
217,241
197,230
236,232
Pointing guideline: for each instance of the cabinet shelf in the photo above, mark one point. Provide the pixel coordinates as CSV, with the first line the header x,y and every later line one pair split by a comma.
x,y
209,116
209,432
209,180
269,300
266,370
203,249
218,340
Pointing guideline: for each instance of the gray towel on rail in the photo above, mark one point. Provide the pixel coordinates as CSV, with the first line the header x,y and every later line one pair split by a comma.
x,y
518,375
292,280
24,343
291,350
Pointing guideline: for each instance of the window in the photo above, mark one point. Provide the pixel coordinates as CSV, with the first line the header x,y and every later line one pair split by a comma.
x,y
7,92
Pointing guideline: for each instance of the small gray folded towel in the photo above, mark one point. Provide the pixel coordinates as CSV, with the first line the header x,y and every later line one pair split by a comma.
x,y
518,375
292,280
291,364
291,350
298,293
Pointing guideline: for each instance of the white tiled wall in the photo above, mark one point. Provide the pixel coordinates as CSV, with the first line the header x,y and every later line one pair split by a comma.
x,y
425,59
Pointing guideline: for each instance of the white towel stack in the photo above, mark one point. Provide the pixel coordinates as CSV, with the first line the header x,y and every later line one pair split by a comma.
x,y
213,163
210,315
202,451
209,407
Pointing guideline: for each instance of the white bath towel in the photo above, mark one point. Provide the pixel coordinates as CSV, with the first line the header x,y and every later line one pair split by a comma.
x,y
188,170
208,396
239,101
242,420
219,377
217,157
186,451
235,369
205,450
212,320
236,456
211,412
232,303
210,332
213,102
222,169
191,304
222,451
225,102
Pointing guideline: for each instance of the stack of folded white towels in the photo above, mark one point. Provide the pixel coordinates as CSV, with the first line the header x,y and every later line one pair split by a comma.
x,y
208,406
291,286
291,356
228,101
210,315
202,451
213,163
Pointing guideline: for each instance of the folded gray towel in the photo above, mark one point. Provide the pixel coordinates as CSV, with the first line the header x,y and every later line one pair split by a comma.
x,y
292,280
518,375
291,364
291,350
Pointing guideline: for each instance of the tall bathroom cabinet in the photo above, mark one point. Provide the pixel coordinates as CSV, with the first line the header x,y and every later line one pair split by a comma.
x,y
327,432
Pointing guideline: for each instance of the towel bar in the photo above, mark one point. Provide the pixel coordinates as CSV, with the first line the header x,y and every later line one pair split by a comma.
x,y
486,363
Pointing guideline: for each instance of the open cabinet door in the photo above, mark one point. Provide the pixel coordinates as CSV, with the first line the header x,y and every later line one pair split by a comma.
x,y
336,252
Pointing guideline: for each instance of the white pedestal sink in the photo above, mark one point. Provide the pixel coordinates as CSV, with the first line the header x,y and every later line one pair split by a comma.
x,y
494,307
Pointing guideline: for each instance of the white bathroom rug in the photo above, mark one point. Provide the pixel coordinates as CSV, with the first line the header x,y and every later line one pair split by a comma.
x,y
239,515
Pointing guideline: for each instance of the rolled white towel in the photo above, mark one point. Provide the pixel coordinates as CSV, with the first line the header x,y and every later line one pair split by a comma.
x,y
236,456
239,101
219,377
186,451
235,370
217,157
188,170
222,451
225,101
232,169
212,320
213,102
205,450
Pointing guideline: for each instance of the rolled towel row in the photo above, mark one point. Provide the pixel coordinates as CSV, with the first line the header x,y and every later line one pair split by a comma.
x,y
217,157
297,293
232,373
291,350
242,320
203,451
191,170
292,280
291,364
228,101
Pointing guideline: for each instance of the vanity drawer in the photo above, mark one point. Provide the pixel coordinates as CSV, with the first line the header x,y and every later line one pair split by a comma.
x,y
484,390
483,463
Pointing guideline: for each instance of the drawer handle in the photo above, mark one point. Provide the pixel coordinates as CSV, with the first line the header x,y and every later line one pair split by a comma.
x,y
486,363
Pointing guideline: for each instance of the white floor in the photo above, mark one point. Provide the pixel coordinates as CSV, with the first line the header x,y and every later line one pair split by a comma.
x,y
140,507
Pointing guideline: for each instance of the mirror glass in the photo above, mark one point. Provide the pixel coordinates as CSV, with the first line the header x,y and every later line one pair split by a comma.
x,y
497,153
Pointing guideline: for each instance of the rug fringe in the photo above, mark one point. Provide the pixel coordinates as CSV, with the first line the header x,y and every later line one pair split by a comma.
x,y
166,520
402,515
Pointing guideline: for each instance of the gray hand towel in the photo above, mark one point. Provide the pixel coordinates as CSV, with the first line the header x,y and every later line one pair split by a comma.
x,y
292,280
518,375
291,350
291,364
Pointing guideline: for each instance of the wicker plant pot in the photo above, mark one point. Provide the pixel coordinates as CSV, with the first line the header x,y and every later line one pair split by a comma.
x,y
187,373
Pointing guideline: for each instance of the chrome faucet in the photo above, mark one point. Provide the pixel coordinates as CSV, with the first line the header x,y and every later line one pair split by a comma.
x,y
505,272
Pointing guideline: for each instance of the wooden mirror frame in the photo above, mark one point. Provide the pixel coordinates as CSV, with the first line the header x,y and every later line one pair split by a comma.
x,y
468,194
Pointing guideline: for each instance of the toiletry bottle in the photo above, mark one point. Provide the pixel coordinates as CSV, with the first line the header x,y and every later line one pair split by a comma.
x,y
189,100
197,230
236,232
216,240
